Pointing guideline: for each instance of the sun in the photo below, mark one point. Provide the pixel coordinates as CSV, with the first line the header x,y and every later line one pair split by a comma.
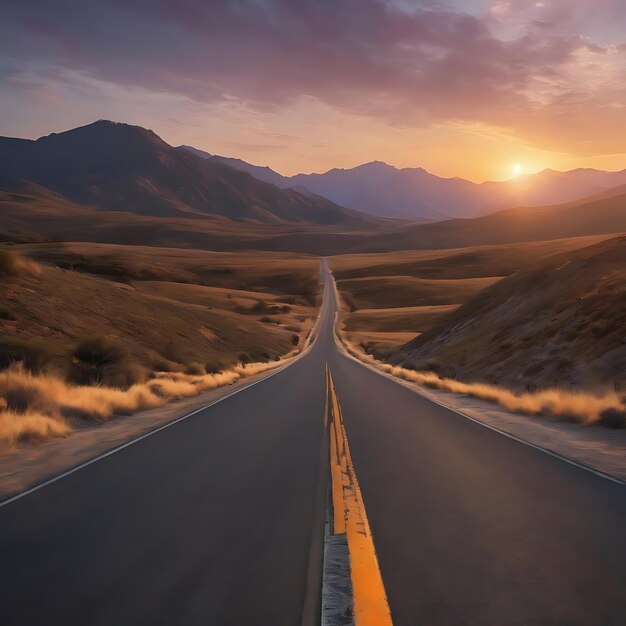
x,y
517,169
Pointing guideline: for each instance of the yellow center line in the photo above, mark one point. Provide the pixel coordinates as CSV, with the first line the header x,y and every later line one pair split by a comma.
x,y
371,607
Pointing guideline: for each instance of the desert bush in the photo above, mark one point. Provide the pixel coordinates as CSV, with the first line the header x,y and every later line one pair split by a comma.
x,y
213,367
161,364
29,426
7,262
99,360
5,314
613,418
268,320
195,369
295,339
381,352
34,354
347,298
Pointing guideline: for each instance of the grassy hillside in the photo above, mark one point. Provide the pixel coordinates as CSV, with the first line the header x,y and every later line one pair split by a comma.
x,y
561,322
32,212
603,214
165,309
390,295
408,291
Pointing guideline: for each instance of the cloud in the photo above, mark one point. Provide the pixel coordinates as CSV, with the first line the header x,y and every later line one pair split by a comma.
x,y
517,65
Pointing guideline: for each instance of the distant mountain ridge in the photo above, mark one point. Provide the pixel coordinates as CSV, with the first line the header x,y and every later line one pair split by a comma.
x,y
120,167
414,193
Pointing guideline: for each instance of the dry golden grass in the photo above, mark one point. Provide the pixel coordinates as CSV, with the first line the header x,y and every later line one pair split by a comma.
x,y
384,292
582,407
398,319
560,324
28,426
462,262
168,327
37,407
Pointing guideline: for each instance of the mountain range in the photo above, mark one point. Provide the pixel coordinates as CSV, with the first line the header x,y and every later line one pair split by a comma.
x,y
115,166
117,183
415,194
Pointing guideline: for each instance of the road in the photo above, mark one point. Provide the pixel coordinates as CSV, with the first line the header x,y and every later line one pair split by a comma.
x,y
218,519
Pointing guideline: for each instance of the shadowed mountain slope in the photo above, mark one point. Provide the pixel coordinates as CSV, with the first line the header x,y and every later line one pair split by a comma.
x,y
121,167
560,322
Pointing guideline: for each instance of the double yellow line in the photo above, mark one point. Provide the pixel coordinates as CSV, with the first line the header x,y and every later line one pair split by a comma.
x,y
370,600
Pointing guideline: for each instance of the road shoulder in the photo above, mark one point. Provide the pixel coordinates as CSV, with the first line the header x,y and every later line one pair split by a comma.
x,y
30,464
599,449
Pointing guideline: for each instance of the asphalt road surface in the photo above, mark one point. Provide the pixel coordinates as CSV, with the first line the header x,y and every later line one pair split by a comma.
x,y
218,519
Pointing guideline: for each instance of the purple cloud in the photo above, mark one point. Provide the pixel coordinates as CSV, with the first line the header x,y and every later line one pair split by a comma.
x,y
410,64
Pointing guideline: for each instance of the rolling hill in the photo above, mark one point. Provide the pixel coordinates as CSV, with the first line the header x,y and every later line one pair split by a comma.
x,y
117,167
604,213
561,322
29,211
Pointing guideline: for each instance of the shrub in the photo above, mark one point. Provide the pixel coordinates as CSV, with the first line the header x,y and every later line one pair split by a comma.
x,y
160,364
268,320
612,418
295,339
99,360
7,263
195,369
213,367
5,314
34,354
347,298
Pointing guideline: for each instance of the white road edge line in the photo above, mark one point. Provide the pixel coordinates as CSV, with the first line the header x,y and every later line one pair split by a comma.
x,y
415,389
133,441
54,479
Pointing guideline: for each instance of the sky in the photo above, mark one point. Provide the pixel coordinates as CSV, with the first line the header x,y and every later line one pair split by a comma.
x,y
482,89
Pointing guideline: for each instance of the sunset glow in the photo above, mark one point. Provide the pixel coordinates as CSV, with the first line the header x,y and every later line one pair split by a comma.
x,y
325,89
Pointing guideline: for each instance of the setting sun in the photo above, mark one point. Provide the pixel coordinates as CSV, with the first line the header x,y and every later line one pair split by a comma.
x,y
517,169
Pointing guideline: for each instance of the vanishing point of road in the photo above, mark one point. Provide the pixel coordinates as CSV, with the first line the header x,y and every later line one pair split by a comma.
x,y
219,518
